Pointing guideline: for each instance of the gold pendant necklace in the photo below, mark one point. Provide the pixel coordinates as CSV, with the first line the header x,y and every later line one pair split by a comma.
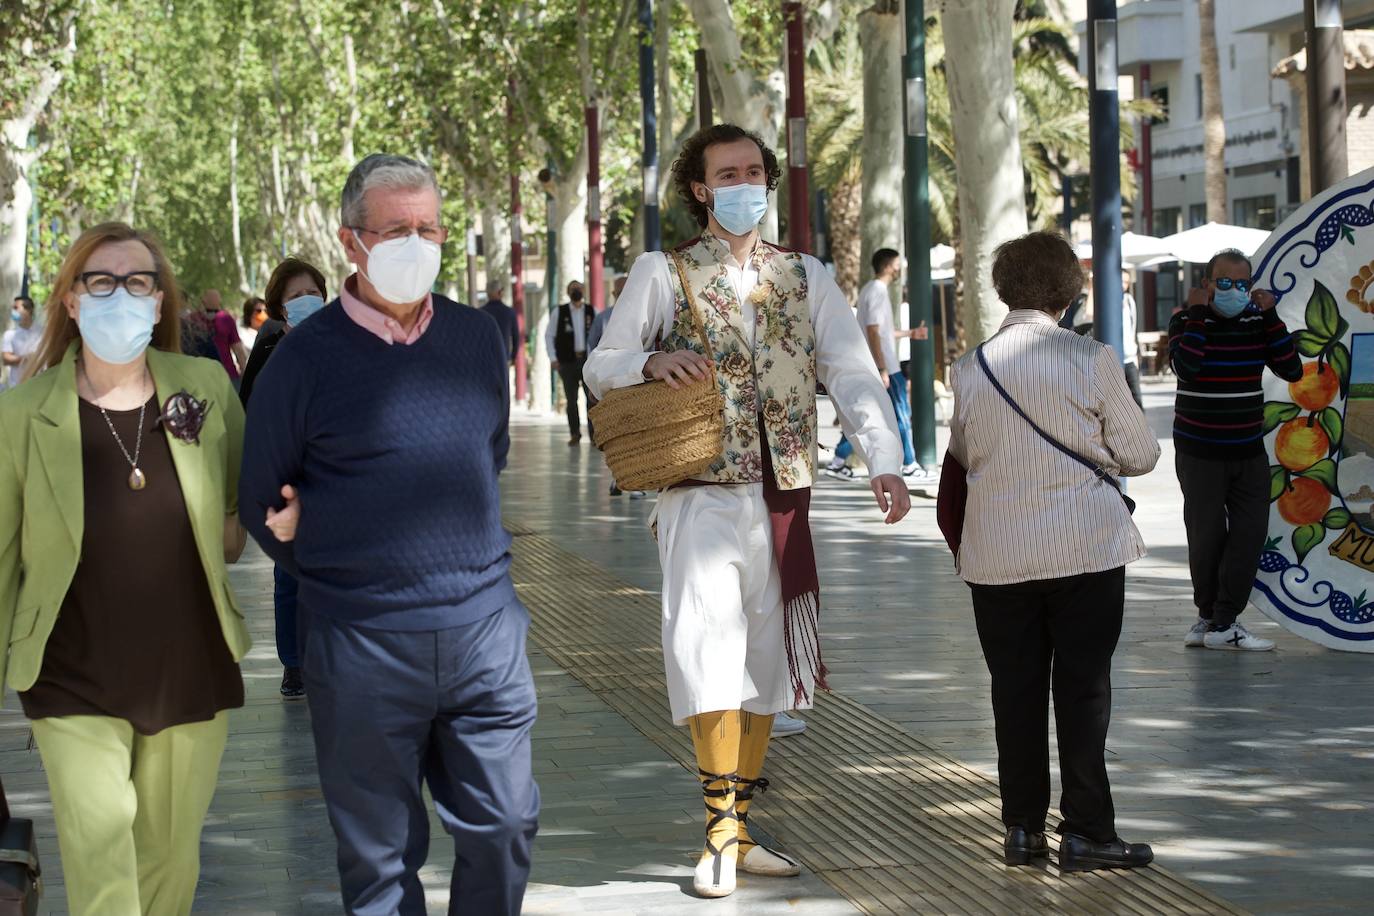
x,y
137,479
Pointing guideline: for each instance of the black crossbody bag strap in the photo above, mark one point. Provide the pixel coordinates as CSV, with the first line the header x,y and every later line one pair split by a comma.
x,y
1098,470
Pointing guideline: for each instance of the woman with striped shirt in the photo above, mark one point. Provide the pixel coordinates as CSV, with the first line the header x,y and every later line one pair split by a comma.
x,y
1045,545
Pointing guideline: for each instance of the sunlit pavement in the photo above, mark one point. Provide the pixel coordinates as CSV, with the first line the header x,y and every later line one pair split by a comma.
x,y
1251,773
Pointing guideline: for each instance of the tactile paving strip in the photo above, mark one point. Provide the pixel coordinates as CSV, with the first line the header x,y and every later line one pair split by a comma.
x,y
892,823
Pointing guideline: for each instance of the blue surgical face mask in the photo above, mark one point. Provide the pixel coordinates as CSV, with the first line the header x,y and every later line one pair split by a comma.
x,y
740,207
301,308
15,316
1230,302
117,328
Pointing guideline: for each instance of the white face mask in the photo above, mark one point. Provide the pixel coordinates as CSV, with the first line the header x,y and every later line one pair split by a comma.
x,y
402,270
118,327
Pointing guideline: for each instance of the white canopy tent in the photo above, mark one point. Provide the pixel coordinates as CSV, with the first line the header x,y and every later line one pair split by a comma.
x,y
1136,250
1197,245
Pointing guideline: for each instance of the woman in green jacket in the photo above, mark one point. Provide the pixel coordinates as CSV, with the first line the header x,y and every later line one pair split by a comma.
x,y
118,496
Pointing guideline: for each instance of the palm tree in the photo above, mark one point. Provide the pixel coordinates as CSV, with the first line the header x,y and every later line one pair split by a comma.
x,y
1051,98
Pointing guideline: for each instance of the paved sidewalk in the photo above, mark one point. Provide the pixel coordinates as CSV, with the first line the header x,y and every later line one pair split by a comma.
x,y
620,825
1252,774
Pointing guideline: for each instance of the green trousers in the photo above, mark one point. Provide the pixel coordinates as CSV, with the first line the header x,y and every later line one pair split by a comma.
x,y
129,810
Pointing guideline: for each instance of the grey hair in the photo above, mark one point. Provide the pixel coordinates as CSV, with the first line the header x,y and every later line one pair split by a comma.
x,y
495,287
382,170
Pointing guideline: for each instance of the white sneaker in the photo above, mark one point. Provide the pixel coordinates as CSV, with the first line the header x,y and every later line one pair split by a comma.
x,y
1195,636
1236,638
635,494
909,469
843,472
784,725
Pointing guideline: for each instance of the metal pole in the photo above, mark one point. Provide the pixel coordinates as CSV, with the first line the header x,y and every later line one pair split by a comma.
x,y
1148,294
1104,126
649,163
517,256
470,249
1066,219
917,207
703,90
594,256
1326,101
798,185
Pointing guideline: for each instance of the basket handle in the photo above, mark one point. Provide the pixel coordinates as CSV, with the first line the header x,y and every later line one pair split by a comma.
x,y
707,350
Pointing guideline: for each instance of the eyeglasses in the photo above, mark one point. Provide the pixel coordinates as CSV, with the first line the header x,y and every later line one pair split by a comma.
x,y
1227,283
100,283
436,234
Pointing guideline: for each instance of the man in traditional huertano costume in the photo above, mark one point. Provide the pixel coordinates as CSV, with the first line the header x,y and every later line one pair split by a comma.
x,y
741,596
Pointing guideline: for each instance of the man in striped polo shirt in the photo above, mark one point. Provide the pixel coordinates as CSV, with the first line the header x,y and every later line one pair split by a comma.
x,y
1219,346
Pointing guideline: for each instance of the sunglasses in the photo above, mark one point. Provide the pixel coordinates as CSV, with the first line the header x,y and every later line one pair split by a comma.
x,y
1227,283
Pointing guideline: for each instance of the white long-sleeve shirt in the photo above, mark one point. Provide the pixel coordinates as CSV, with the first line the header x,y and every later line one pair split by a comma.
x,y
579,323
644,312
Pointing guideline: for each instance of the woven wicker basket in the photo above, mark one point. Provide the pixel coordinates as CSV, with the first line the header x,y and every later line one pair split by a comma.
x,y
654,436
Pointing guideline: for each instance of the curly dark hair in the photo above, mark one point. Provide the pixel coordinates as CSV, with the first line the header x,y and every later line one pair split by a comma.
x,y
690,166
286,271
1037,271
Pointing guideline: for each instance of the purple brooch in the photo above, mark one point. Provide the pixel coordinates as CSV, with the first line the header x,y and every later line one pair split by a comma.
x,y
183,416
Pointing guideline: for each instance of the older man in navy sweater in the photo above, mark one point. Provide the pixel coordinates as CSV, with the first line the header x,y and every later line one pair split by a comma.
x,y
370,473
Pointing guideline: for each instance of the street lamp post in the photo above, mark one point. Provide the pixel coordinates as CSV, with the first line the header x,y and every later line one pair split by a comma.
x,y
1326,101
703,90
798,190
594,255
1104,126
917,207
649,161
517,253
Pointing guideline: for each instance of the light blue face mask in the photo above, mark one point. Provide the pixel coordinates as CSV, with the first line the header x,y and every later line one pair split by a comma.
x,y
15,316
301,308
1230,302
117,328
740,207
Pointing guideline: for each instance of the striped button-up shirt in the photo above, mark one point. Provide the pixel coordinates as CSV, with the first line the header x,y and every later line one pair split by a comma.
x,y
1033,512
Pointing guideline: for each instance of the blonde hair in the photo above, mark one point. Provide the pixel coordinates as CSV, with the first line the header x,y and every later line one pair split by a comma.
x,y
61,330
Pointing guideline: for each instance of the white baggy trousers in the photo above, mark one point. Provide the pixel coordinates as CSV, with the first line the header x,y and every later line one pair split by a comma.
x,y
722,603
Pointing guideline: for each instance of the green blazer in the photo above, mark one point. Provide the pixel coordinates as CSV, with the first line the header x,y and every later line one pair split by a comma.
x,y
42,512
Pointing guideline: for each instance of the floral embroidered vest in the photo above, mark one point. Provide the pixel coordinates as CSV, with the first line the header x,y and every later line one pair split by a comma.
x,y
776,378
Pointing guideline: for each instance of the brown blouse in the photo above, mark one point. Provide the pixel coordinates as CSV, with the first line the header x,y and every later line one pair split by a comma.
x,y
137,637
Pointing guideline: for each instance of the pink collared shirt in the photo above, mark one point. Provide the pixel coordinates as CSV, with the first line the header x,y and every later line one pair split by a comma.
x,y
384,326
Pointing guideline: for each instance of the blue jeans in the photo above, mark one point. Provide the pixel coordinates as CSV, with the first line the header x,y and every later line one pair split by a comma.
x,y
284,587
899,394
901,406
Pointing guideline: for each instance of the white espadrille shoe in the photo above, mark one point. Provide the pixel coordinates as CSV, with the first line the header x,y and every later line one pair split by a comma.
x,y
715,872
760,860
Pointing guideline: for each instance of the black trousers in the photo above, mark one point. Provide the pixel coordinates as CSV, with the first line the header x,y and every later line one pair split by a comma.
x,y
1226,517
1059,635
570,371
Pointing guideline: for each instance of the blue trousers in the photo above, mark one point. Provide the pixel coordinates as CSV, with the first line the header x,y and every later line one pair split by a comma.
x,y
901,405
451,708
284,588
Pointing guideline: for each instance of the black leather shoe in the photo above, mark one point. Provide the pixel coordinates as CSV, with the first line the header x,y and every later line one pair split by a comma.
x,y
1021,846
1078,853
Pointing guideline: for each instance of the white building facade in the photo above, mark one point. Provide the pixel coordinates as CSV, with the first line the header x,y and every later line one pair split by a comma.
x,y
1159,53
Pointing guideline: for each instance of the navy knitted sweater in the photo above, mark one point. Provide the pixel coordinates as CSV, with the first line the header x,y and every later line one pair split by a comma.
x,y
1219,410
395,451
